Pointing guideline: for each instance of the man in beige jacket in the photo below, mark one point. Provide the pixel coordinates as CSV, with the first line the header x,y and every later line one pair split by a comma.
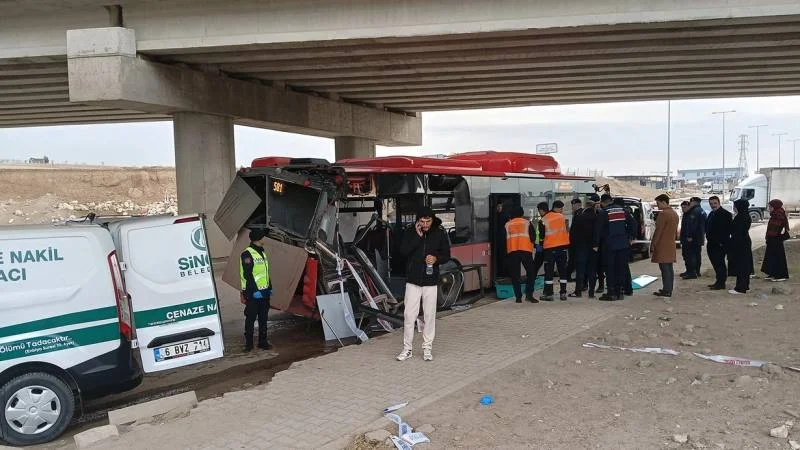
x,y
662,247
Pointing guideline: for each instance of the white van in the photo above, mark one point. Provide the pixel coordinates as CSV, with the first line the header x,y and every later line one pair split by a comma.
x,y
76,301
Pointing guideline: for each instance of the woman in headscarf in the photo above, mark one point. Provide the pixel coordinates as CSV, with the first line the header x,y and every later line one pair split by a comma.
x,y
777,231
740,253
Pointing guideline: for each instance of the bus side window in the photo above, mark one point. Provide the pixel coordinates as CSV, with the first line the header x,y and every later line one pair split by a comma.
x,y
463,210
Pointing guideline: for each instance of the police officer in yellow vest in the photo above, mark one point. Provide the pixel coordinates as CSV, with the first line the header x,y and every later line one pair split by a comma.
x,y
256,288
556,245
520,238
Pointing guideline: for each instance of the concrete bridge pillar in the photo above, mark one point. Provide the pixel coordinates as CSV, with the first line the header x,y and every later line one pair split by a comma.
x,y
348,147
205,164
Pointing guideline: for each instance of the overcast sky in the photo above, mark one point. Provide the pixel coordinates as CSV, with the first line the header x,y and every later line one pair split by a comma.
x,y
619,138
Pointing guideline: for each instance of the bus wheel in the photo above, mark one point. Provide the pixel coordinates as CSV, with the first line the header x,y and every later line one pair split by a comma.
x,y
37,407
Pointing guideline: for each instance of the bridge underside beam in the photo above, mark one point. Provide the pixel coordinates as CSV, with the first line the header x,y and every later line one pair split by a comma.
x,y
104,70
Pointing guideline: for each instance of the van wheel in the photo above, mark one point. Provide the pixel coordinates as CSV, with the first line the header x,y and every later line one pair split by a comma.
x,y
755,216
37,407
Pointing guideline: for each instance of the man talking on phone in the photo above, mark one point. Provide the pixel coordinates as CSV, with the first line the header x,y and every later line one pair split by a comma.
x,y
425,246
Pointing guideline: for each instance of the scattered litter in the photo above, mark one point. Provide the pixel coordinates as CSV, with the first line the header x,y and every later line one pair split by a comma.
x,y
416,438
394,418
642,281
752,304
404,429
696,382
526,336
781,432
779,307
460,307
795,445
487,400
680,438
400,444
744,362
658,350
671,380
395,407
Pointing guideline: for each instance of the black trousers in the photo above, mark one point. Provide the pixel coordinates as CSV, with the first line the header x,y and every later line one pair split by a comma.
x,y
716,253
615,267
586,269
601,269
255,309
515,261
627,285
555,259
698,257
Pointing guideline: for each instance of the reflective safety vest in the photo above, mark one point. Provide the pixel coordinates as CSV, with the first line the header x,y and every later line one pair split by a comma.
x,y
555,230
517,237
260,270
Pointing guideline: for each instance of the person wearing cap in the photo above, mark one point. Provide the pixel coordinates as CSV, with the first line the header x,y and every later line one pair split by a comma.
x,y
581,237
577,208
425,247
615,233
555,244
256,289
520,238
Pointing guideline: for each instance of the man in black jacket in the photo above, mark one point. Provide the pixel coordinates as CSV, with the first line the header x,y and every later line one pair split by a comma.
x,y
581,238
425,246
718,236
577,209
692,238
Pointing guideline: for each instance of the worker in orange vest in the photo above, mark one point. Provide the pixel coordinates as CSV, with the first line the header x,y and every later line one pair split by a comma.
x,y
556,245
520,236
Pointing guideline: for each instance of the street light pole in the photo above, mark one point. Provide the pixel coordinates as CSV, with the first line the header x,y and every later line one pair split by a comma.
x,y
724,182
758,145
780,135
794,151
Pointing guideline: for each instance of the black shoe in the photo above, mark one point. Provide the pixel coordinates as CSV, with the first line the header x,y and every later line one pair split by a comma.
x,y
563,297
575,295
265,346
531,298
599,290
629,293
715,287
606,298
662,294
689,277
591,294
620,297
683,274
712,285
248,348
546,298
519,299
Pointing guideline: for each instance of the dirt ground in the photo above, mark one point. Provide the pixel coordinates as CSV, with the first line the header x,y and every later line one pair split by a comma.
x,y
570,397
35,195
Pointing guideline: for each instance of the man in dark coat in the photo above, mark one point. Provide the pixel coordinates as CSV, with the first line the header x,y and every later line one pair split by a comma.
x,y
581,238
718,237
692,238
577,209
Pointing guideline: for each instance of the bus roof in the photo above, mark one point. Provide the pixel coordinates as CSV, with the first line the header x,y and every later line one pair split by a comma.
x,y
478,163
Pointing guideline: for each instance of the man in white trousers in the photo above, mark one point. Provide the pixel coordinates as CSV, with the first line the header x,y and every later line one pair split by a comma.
x,y
425,246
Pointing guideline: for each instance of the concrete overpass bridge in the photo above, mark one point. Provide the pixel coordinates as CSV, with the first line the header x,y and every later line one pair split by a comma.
x,y
362,71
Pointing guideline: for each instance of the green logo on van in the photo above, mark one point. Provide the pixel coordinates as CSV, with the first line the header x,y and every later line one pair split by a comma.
x,y
199,239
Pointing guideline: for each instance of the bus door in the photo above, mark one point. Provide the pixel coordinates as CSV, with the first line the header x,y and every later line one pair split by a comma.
x,y
501,207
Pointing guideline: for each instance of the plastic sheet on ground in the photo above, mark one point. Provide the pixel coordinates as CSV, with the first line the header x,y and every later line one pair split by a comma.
x,y
400,444
657,350
395,407
743,362
416,438
404,429
394,418
642,281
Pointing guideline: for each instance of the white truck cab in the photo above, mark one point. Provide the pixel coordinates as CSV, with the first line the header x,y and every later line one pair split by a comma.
x,y
754,189
76,301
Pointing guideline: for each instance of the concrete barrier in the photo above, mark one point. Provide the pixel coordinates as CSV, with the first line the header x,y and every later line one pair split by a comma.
x,y
90,437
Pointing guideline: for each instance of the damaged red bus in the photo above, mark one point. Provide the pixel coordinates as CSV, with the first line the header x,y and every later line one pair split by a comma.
x,y
360,207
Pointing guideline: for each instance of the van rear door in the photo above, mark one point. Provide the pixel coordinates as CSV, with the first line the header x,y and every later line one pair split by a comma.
x,y
168,274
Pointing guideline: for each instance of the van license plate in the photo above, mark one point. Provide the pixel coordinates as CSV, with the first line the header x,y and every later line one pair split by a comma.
x,y
183,349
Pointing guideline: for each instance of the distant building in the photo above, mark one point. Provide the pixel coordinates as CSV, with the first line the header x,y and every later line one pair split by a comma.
x,y
704,175
650,181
